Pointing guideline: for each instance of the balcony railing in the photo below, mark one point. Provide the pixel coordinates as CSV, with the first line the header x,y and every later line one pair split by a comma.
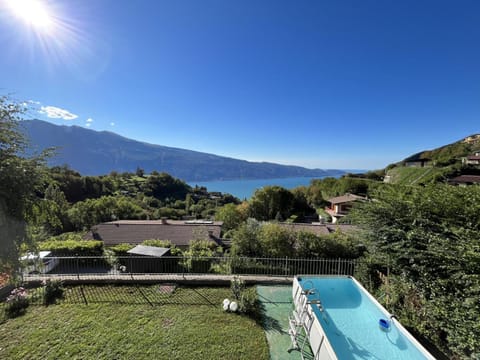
x,y
133,265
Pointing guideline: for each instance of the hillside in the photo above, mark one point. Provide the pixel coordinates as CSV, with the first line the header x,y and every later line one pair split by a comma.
x,y
95,153
448,154
435,165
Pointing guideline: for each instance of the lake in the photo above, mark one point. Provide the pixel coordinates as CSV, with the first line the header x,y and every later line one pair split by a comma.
x,y
244,189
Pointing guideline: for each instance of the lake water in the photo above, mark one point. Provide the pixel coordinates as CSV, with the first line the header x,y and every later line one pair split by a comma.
x,y
244,189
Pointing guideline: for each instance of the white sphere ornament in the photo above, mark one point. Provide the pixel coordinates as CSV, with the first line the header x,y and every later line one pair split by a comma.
x,y
226,301
225,307
233,306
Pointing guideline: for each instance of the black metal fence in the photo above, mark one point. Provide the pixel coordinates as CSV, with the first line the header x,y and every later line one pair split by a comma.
x,y
124,265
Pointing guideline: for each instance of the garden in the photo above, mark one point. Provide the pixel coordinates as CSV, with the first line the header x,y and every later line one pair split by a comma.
x,y
125,322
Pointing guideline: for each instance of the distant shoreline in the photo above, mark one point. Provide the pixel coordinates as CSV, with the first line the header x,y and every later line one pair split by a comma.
x,y
244,189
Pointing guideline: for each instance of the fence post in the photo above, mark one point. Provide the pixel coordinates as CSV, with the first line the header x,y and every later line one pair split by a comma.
x,y
78,267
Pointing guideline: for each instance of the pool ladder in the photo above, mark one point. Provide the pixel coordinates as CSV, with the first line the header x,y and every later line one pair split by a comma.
x,y
301,318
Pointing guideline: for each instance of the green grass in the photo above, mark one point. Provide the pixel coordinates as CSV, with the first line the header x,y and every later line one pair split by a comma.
x,y
129,322
412,175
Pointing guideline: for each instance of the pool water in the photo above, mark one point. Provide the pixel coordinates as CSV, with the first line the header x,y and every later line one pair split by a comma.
x,y
350,319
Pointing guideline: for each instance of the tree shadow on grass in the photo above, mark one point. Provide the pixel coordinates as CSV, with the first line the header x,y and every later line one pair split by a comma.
x,y
268,322
266,300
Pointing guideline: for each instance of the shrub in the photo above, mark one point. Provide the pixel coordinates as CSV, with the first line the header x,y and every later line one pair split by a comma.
x,y
237,286
249,303
17,302
245,297
121,249
73,247
221,268
53,291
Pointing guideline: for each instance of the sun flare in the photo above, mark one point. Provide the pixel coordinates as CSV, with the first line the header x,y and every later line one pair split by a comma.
x,y
33,12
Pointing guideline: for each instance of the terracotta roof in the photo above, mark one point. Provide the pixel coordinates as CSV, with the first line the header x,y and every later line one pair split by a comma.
x,y
473,157
345,199
318,228
466,179
179,233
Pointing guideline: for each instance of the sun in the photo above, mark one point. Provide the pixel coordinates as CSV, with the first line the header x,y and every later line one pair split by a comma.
x,y
33,12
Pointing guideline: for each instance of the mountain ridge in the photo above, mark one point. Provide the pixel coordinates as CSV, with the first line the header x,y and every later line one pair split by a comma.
x,y
92,152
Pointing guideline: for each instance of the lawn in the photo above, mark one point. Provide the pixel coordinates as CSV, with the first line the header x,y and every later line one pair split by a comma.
x,y
133,322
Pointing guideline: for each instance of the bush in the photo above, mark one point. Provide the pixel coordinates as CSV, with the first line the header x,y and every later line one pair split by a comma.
x,y
237,286
53,291
17,302
73,247
121,249
249,303
246,298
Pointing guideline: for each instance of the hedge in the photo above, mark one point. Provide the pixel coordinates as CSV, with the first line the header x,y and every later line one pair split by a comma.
x,y
121,249
73,247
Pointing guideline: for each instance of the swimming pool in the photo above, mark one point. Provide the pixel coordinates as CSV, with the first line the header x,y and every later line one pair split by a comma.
x,y
348,323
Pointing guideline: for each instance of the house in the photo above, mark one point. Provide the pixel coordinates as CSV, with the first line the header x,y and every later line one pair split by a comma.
x,y
472,159
341,205
178,232
472,139
464,180
417,163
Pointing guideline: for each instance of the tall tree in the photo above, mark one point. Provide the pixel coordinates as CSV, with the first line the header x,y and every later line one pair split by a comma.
x,y
19,178
271,202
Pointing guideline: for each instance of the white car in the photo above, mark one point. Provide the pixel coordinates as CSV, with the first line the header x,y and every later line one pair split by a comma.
x,y
39,263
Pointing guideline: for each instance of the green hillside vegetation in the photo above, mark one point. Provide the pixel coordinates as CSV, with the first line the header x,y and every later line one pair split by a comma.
x,y
446,155
441,164
403,175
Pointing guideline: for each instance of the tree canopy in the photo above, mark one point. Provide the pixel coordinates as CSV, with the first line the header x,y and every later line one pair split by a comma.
x,y
20,177
430,238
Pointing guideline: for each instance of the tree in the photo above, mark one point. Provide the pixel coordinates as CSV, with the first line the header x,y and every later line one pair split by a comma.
x,y
245,240
20,177
430,238
139,172
85,214
269,201
276,241
231,216
164,185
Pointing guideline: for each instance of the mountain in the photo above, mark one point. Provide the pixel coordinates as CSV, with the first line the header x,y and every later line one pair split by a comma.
x,y
435,165
100,152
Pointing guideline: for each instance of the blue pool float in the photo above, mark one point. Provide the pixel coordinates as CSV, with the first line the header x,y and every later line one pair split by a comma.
x,y
384,324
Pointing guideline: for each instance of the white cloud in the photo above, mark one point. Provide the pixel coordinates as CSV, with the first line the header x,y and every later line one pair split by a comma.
x,y
112,124
89,120
88,124
57,113
34,102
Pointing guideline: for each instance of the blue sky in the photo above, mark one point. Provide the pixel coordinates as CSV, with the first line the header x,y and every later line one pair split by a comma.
x,y
329,84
